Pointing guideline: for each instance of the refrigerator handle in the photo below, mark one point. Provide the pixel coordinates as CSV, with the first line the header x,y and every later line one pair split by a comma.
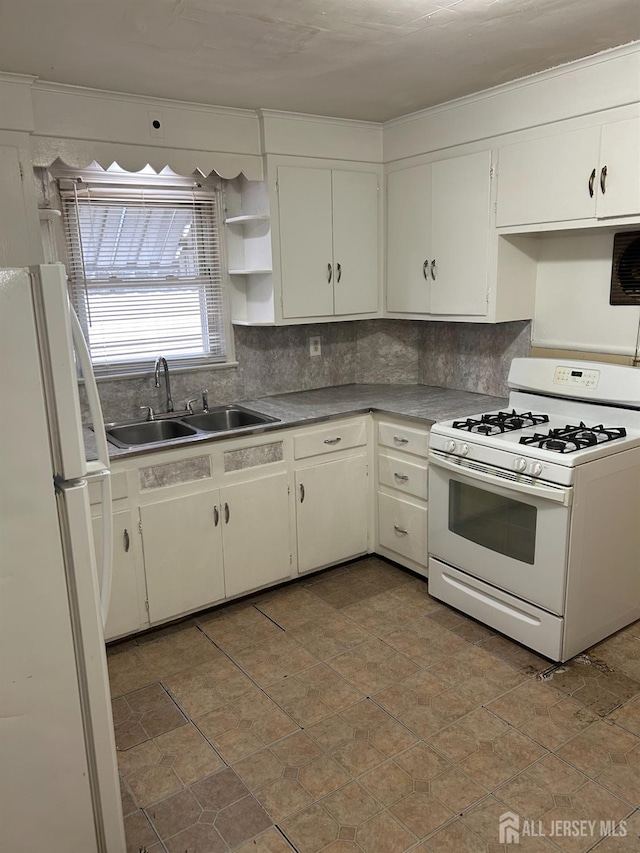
x,y
91,388
97,420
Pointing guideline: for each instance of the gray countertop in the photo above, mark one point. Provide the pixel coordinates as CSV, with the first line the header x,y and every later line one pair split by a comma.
x,y
423,403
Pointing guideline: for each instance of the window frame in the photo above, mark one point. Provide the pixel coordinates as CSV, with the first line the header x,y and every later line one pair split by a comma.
x,y
212,190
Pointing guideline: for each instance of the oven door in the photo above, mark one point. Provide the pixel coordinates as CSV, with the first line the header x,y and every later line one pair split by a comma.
x,y
510,531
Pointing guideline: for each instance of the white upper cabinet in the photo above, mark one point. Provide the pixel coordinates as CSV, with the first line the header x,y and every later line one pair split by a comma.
x,y
409,240
619,175
579,175
460,208
438,218
328,242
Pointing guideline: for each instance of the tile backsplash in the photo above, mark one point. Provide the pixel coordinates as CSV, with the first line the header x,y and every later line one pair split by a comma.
x,y
276,360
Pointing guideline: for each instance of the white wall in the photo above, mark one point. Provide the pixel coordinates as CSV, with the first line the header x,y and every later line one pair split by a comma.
x,y
572,308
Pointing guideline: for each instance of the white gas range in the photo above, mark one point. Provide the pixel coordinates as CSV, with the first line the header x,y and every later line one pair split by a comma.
x,y
534,512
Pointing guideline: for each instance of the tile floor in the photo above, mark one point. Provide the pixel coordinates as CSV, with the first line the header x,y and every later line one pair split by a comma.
x,y
349,712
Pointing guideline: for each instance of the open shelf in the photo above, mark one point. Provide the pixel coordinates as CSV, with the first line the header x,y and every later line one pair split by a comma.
x,y
249,272
250,217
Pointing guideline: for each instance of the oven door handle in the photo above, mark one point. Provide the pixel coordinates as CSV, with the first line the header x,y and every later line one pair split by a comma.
x,y
484,475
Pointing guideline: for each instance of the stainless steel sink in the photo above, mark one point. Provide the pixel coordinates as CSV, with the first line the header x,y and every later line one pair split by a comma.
x,y
148,432
168,428
225,418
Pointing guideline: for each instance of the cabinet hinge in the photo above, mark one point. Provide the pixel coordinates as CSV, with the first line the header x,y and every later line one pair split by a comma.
x,y
21,167
288,490
139,527
146,605
492,171
290,559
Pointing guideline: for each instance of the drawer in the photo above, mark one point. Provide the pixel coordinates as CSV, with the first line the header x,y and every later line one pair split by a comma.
x,y
402,527
404,473
118,488
329,439
408,439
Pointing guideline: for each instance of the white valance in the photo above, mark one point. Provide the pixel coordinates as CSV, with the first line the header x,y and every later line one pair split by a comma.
x,y
79,154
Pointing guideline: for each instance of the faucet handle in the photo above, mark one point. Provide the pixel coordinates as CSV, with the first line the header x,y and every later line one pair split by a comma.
x,y
205,400
188,405
150,413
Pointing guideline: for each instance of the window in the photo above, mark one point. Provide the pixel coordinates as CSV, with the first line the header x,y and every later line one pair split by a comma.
x,y
145,271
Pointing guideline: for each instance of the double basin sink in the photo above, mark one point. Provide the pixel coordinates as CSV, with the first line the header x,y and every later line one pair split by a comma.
x,y
220,419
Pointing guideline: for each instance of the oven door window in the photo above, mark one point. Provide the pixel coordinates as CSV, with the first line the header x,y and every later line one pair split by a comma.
x,y
501,524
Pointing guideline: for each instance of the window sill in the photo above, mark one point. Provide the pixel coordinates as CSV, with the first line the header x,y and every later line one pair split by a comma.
x,y
109,377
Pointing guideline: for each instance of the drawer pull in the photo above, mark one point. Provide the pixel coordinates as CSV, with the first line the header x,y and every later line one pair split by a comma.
x,y
216,516
399,440
127,540
301,493
227,514
402,477
402,530
332,440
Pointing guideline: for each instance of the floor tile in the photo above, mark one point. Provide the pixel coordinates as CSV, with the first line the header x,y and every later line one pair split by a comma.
x,y
128,672
542,714
272,660
421,813
144,714
313,694
209,686
294,607
372,666
139,832
478,674
271,841
237,629
524,660
177,651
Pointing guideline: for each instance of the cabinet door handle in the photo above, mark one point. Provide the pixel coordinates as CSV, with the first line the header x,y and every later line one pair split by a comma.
x,y
592,178
425,268
402,477
603,179
301,493
335,440
399,440
329,273
434,270
402,530
216,516
338,272
127,540
227,514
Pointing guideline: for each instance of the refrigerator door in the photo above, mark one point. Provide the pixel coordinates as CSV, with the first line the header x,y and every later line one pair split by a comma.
x,y
52,666
59,334
86,619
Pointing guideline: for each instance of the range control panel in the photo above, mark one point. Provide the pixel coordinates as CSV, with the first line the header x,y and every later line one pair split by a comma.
x,y
576,377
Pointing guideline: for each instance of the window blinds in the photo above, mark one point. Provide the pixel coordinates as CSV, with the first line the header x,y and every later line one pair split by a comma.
x,y
145,273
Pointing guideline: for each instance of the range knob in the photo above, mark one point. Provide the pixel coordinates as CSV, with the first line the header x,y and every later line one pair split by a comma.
x,y
520,464
464,449
450,446
536,469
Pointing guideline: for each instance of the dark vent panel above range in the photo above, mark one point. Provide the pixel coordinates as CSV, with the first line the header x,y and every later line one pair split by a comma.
x,y
625,269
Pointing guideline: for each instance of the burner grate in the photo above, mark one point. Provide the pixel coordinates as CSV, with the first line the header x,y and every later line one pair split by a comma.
x,y
570,438
499,422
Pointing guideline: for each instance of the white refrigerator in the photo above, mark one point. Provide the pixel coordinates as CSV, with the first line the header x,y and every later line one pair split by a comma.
x,y
59,788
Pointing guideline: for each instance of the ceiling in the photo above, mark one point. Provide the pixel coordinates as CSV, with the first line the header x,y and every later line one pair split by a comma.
x,y
363,59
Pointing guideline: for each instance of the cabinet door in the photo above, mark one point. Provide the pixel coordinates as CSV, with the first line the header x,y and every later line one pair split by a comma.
x,y
182,545
620,156
306,242
331,515
408,232
355,242
460,204
256,533
125,607
548,180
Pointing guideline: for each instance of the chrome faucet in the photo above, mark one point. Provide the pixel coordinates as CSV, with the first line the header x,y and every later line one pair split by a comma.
x,y
161,361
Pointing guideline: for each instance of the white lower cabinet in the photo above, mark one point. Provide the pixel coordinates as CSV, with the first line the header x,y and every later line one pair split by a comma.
x,y
182,543
402,494
126,609
402,528
256,533
331,512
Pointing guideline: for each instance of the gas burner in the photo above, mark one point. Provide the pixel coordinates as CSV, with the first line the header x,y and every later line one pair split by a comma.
x,y
570,438
499,422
